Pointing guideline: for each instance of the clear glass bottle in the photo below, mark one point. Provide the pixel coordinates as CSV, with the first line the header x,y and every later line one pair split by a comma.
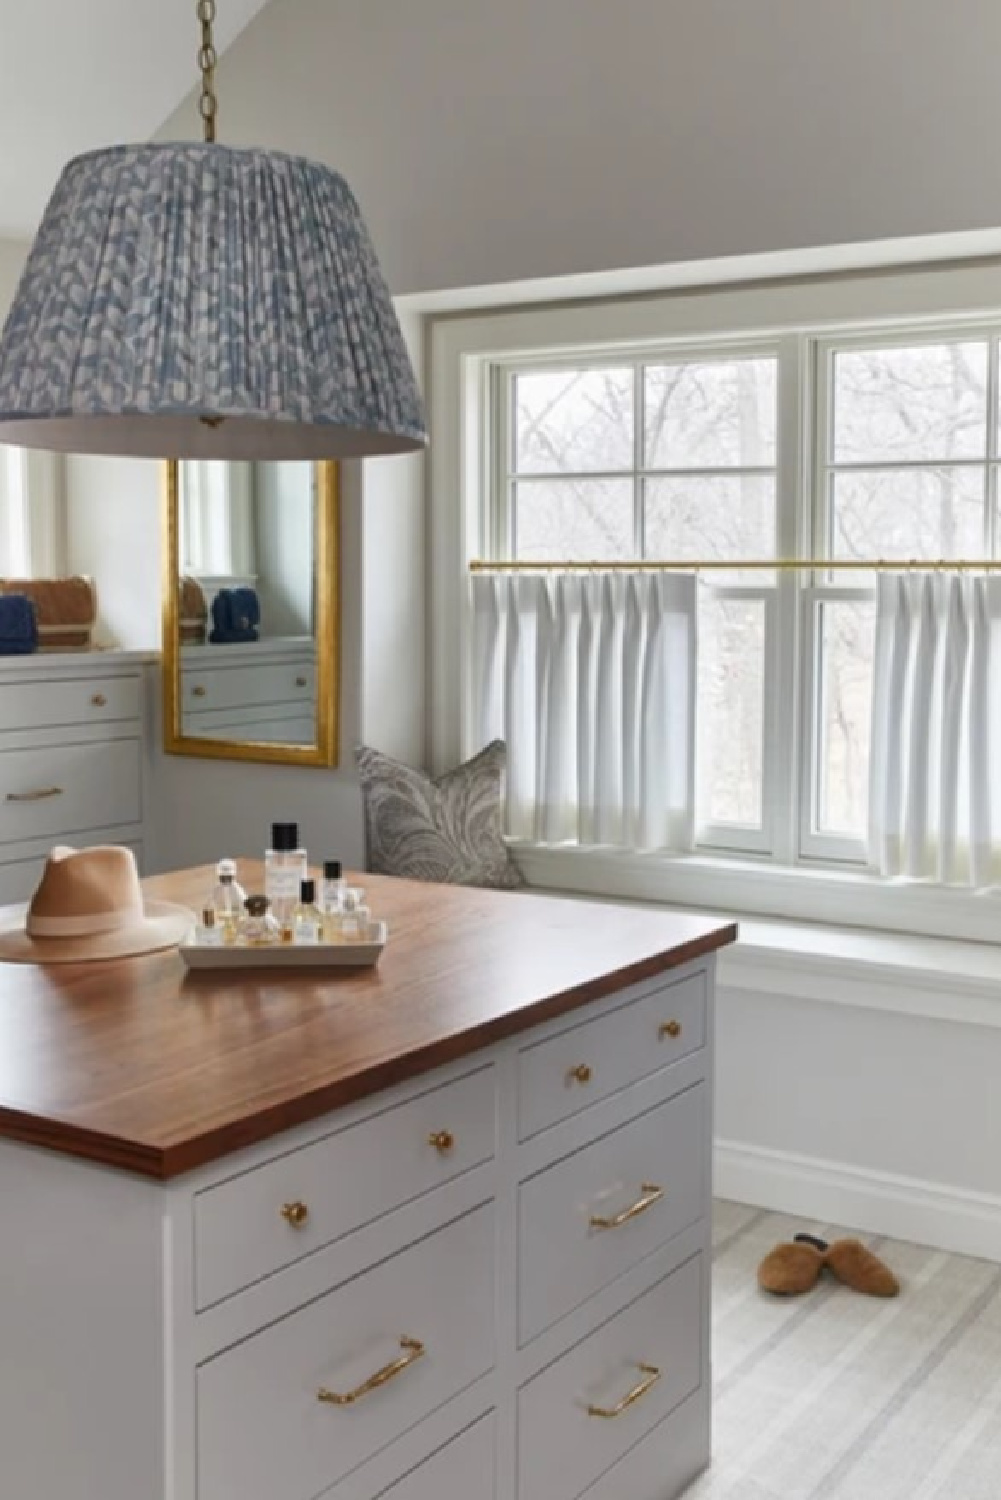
x,y
228,898
284,871
259,928
333,887
308,917
207,934
355,918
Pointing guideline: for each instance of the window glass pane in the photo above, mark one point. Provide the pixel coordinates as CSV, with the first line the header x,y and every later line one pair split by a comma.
x,y
899,513
573,421
718,414
577,520
731,709
846,635
714,518
926,402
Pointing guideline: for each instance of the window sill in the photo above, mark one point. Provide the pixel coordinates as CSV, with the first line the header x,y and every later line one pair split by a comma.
x,y
938,978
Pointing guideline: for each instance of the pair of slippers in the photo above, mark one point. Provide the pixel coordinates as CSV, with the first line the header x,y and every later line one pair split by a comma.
x,y
792,1269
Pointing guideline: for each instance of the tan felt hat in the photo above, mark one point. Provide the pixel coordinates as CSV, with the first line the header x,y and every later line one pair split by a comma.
x,y
89,905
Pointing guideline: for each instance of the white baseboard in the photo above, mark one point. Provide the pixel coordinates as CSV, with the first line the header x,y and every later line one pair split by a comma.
x,y
905,1208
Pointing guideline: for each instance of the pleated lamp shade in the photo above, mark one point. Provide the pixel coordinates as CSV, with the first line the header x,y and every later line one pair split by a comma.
x,y
199,301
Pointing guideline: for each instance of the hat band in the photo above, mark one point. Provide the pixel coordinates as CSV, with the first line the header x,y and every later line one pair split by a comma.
x,y
88,926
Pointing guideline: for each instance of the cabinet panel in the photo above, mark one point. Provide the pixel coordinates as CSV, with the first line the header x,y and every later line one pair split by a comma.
x,y
58,790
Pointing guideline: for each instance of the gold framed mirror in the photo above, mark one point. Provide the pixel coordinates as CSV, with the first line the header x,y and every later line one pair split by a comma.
x,y
251,611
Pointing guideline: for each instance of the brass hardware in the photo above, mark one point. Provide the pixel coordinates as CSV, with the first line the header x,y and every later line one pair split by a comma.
x,y
301,681
208,105
650,1374
413,1351
39,796
651,1195
198,691
580,1074
442,1141
670,1029
99,700
295,1214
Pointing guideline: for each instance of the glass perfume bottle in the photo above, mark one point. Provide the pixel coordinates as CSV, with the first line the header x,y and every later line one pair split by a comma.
x,y
308,917
354,918
207,934
228,898
284,871
259,928
333,887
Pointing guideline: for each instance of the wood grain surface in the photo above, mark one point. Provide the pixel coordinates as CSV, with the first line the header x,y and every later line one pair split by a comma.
x,y
141,1066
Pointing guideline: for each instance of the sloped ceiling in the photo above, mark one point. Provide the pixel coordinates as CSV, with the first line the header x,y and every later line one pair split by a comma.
x,y
78,74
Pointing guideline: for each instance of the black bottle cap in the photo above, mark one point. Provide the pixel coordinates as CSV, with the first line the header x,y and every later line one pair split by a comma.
x,y
331,869
284,837
307,892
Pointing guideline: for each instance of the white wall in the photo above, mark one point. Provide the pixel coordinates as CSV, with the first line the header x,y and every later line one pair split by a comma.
x,y
488,142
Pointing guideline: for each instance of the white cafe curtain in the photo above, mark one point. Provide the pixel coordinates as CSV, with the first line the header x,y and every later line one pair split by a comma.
x,y
934,757
591,681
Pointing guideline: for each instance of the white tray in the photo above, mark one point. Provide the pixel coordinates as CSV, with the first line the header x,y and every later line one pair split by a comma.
x,y
289,955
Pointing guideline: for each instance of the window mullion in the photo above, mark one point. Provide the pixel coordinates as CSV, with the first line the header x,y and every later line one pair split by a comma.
x,y
782,686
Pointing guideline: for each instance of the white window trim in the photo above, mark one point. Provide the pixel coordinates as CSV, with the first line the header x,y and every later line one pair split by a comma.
x,y
32,531
460,351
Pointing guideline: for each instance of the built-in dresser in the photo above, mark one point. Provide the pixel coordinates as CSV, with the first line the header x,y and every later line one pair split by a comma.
x,y
475,1267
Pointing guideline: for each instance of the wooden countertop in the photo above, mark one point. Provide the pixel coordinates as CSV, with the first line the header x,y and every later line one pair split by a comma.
x,y
139,1065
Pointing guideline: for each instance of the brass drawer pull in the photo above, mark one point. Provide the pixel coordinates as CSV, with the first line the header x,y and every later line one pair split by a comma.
x,y
413,1351
650,1374
580,1074
99,700
37,796
670,1029
295,1214
442,1140
199,691
651,1195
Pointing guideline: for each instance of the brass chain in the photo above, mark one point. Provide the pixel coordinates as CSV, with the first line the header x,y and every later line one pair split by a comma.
x,y
208,105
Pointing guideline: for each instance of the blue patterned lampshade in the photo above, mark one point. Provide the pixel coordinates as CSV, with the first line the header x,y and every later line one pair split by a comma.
x,y
200,301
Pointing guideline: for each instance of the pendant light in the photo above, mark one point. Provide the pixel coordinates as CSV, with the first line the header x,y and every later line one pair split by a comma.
x,y
193,300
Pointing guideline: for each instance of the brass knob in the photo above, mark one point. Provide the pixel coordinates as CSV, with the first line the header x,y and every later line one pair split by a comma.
x,y
580,1074
670,1029
442,1141
295,1214
198,692
99,700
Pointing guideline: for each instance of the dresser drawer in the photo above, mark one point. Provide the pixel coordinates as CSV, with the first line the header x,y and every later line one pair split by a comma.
x,y
59,790
464,1470
245,687
263,1429
588,1218
583,1413
565,1073
86,700
254,1224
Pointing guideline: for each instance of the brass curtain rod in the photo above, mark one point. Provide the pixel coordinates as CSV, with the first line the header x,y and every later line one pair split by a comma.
x,y
742,565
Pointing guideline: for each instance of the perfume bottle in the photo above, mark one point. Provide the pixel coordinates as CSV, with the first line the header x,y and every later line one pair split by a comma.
x,y
207,934
308,917
228,898
259,928
284,871
333,888
354,918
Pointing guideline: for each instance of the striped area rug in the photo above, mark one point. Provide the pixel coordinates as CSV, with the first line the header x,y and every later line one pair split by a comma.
x,y
834,1396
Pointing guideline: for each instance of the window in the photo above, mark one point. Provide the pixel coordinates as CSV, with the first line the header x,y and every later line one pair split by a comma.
x,y
864,448
31,531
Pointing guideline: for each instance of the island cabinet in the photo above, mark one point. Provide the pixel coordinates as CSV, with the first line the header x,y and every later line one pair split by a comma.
x,y
437,1231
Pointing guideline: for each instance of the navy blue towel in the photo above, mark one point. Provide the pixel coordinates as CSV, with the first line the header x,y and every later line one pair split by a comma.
x,y
236,614
18,625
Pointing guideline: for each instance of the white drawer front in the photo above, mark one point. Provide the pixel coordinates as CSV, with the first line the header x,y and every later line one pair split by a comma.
x,y
263,1432
240,687
564,1074
57,791
653,1166
87,700
462,1471
343,1181
652,1351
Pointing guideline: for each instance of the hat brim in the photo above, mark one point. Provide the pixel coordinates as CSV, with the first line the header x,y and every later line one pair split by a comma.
x,y
163,925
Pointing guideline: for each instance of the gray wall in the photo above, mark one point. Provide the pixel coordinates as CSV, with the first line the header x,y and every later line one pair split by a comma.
x,y
489,142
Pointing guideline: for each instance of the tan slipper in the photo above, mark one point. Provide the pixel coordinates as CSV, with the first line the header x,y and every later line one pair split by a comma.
x,y
790,1270
851,1262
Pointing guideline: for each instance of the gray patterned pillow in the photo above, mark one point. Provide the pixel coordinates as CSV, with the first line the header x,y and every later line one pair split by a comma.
x,y
447,830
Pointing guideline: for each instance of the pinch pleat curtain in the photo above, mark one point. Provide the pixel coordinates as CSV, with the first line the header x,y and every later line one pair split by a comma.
x,y
591,681
934,753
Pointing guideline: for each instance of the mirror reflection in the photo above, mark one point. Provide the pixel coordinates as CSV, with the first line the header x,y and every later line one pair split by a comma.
x,y
251,583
